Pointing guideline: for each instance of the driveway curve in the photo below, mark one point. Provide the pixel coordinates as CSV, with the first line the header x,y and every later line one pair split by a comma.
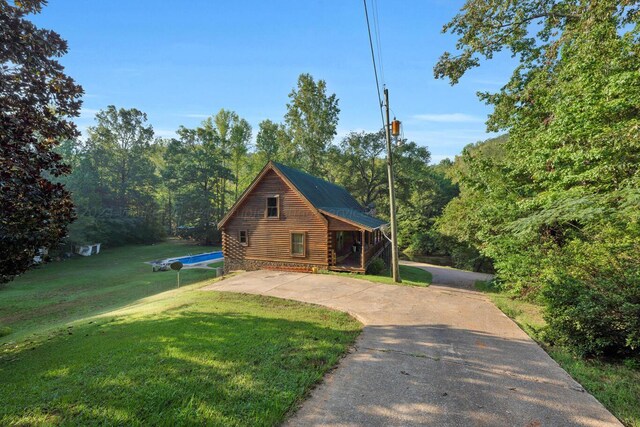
x,y
439,356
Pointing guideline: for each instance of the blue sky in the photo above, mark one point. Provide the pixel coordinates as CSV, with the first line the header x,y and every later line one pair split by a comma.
x,y
182,61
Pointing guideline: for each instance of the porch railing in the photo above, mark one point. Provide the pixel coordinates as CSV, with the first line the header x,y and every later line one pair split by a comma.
x,y
372,250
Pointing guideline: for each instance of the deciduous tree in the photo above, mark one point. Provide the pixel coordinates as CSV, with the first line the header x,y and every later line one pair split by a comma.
x,y
359,166
312,118
194,174
569,173
37,99
119,147
273,142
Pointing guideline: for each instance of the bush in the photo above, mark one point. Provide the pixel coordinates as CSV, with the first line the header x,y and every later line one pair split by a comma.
x,y
424,243
377,266
467,257
593,298
430,242
4,331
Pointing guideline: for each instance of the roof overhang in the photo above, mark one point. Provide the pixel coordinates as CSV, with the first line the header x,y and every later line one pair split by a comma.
x,y
349,221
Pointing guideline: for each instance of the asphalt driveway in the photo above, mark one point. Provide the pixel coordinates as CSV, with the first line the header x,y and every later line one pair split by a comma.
x,y
439,356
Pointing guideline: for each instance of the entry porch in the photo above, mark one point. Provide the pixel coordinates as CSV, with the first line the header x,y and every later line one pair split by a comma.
x,y
354,250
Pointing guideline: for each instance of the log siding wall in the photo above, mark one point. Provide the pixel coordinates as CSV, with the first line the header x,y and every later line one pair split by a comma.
x,y
338,225
270,238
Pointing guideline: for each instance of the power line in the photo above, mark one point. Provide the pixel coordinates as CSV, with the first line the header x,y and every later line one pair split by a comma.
x,y
373,59
385,125
376,30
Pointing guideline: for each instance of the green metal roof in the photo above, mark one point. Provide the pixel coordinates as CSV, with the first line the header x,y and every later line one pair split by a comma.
x,y
329,197
356,216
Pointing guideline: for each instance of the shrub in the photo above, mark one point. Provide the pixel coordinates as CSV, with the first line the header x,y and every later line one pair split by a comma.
x,y
4,331
423,243
467,257
377,266
593,298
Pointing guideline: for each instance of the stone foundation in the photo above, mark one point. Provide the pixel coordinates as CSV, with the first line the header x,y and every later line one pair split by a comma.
x,y
231,264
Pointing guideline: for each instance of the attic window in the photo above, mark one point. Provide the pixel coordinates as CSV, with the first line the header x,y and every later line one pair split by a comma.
x,y
273,207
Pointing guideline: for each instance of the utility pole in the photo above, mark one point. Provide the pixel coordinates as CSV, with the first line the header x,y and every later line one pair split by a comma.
x,y
395,269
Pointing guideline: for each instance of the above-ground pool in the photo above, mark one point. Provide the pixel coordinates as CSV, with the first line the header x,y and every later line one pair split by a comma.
x,y
197,259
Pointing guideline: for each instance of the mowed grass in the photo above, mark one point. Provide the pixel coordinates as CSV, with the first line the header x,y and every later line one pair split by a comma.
x,y
59,292
183,357
411,276
104,341
615,384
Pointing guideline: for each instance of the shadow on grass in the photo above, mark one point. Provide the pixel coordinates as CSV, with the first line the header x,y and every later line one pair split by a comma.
x,y
179,367
41,303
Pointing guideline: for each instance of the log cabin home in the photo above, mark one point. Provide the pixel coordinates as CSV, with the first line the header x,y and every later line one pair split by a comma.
x,y
290,220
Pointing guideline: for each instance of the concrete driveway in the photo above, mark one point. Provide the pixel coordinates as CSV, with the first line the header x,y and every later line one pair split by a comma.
x,y
439,356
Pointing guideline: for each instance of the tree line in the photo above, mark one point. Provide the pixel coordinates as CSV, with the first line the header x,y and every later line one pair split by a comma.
x,y
129,186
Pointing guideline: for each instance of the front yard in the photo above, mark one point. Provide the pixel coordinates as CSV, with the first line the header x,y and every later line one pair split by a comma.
x,y
136,351
60,292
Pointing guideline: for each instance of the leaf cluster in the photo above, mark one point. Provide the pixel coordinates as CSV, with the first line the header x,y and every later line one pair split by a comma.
x,y
37,99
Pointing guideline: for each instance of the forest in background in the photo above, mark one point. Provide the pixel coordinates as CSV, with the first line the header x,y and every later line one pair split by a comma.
x,y
130,187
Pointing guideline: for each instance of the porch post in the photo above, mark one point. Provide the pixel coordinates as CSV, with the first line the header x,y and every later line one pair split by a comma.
x,y
362,249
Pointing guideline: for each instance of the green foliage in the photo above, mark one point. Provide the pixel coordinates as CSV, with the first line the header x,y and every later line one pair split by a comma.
x,y
228,135
469,219
357,164
114,181
431,191
36,100
118,151
555,205
273,142
4,331
197,173
422,242
467,257
376,266
113,231
594,302
311,119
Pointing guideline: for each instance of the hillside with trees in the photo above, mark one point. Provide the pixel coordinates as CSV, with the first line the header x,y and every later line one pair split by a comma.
x,y
555,205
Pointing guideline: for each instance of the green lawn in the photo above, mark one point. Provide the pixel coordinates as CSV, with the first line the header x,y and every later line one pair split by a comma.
x,y
164,357
59,292
411,276
615,384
